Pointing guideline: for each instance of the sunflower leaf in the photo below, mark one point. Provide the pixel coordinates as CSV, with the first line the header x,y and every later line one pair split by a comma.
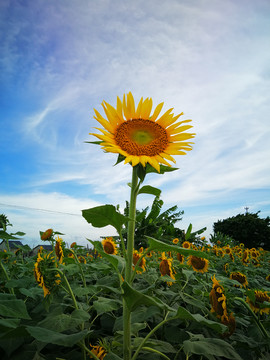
x,y
134,298
163,169
210,348
155,244
184,314
147,189
119,159
105,215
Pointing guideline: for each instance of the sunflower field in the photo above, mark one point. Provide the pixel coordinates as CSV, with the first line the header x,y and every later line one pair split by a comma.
x,y
67,303
174,299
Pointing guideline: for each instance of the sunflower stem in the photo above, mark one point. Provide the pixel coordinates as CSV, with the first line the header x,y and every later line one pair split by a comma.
x,y
129,261
258,323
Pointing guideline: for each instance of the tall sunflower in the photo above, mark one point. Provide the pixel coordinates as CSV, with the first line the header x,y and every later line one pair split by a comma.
x,y
140,137
241,278
257,304
165,267
198,264
109,246
218,300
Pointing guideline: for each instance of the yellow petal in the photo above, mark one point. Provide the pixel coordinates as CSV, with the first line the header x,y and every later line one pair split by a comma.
x,y
139,107
126,108
105,132
162,161
146,108
179,129
164,116
157,112
152,161
119,109
181,137
106,124
168,157
131,105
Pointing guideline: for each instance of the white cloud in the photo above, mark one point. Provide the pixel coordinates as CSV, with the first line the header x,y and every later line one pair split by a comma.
x,y
34,212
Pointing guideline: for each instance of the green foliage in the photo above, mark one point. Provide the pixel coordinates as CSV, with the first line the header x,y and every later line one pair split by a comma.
x,y
160,225
247,228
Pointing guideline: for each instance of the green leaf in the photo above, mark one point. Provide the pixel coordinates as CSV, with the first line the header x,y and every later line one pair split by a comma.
x,y
155,244
93,142
184,314
120,159
117,261
103,305
105,215
63,322
163,169
147,189
52,337
188,232
134,298
4,235
14,308
9,323
210,347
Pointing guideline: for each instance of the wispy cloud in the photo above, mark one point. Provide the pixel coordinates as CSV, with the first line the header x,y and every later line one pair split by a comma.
x,y
206,59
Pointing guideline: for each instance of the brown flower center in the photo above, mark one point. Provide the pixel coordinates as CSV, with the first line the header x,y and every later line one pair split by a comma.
x,y
141,137
108,247
197,262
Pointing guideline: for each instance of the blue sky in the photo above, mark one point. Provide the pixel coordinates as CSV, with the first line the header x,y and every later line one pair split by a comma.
x,y
60,59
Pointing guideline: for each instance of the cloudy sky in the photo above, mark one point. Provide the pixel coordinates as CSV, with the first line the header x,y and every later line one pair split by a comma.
x,y
60,59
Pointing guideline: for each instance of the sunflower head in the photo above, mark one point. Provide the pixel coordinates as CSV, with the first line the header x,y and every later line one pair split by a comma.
x,y
59,249
99,351
165,267
241,278
180,258
198,264
140,137
46,235
137,257
218,300
186,245
256,301
175,241
109,246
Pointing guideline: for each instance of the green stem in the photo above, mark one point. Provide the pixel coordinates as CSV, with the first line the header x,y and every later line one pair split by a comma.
x,y
151,333
259,324
11,290
129,261
155,351
123,246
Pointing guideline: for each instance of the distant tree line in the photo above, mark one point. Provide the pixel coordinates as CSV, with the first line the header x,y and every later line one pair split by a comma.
x,y
249,229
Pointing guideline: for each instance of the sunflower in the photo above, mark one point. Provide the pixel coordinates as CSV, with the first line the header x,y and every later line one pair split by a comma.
x,y
218,300
229,321
186,245
165,267
257,305
109,246
59,250
141,137
268,277
47,234
198,264
175,241
136,258
241,278
99,351
180,258
38,274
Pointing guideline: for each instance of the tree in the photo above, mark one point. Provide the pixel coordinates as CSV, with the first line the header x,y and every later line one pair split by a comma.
x,y
247,228
154,223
